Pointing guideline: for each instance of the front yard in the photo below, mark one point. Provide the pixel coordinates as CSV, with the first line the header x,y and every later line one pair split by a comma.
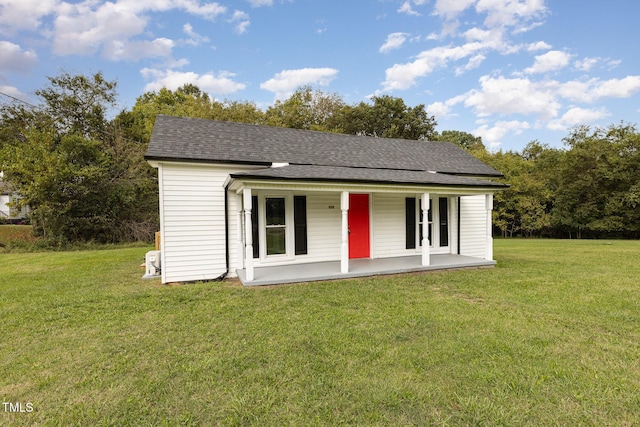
x,y
551,336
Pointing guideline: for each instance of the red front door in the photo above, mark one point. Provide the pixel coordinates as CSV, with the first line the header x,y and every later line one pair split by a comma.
x,y
359,226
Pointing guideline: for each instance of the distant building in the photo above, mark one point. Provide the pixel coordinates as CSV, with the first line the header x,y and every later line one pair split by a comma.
x,y
9,213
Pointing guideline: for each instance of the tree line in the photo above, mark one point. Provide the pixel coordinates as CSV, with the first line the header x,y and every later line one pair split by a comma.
x,y
84,176
588,189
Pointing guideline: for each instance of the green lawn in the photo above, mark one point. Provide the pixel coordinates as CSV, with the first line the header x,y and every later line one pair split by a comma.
x,y
551,336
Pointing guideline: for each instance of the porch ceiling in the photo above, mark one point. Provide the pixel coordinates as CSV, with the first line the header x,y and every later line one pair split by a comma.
x,y
330,270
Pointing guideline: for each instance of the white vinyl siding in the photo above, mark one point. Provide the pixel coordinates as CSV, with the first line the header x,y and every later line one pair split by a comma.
x,y
388,222
473,226
323,230
193,222
5,210
323,227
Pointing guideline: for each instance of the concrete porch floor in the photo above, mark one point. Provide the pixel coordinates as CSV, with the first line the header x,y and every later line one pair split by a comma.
x,y
357,268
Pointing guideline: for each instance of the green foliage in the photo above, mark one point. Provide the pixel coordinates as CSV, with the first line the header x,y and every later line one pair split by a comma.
x,y
388,117
589,189
79,103
307,109
82,178
463,139
600,181
186,101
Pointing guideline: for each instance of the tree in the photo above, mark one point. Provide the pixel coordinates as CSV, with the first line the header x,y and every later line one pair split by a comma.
x,y
79,173
307,109
599,182
79,103
463,139
388,117
186,101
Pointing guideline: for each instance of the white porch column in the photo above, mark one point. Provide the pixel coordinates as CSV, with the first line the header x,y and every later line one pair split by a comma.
x,y
344,246
489,234
453,224
240,242
248,234
426,258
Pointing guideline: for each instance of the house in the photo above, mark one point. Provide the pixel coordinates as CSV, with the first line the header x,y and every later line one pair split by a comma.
x,y
275,205
8,213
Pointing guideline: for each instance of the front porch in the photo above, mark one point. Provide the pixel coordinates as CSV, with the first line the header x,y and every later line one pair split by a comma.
x,y
312,272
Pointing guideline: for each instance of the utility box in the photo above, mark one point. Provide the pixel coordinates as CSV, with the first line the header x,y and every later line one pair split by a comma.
x,y
152,265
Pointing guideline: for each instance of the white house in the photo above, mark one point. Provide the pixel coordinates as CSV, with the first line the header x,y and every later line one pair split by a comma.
x,y
275,205
8,213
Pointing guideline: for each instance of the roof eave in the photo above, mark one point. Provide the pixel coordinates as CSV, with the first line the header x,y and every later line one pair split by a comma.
x,y
246,177
154,158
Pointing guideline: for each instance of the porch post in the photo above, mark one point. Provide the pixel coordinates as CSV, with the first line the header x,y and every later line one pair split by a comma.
x,y
239,241
248,234
453,225
426,259
489,234
344,246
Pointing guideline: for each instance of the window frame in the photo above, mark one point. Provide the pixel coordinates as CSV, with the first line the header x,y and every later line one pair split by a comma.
x,y
279,226
289,226
433,224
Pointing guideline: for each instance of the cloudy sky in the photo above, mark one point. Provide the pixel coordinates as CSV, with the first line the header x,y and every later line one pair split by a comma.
x,y
511,71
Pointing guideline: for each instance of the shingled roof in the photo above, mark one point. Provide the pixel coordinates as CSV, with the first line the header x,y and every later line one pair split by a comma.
x,y
200,140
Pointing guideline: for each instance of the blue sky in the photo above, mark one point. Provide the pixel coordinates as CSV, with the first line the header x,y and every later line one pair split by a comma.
x,y
510,71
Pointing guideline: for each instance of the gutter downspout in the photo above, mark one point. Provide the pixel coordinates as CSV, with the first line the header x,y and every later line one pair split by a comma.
x,y
226,230
458,210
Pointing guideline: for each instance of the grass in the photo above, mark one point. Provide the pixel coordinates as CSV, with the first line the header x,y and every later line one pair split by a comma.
x,y
551,336
12,233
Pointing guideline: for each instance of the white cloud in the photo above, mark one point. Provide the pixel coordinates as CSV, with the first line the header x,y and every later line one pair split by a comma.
x,y
403,76
16,15
443,109
408,9
510,12
473,63
195,38
618,88
284,83
540,45
82,31
450,9
550,61
495,134
13,58
577,116
15,92
241,21
108,28
499,13
394,41
220,84
133,50
595,89
513,96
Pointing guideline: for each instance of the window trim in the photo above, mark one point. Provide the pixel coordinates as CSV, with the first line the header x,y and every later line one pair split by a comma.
x,y
433,224
289,227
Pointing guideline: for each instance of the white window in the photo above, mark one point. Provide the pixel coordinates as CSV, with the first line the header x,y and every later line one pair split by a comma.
x,y
275,225
279,226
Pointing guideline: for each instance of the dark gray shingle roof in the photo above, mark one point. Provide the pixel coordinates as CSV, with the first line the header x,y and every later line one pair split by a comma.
x,y
356,175
189,139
